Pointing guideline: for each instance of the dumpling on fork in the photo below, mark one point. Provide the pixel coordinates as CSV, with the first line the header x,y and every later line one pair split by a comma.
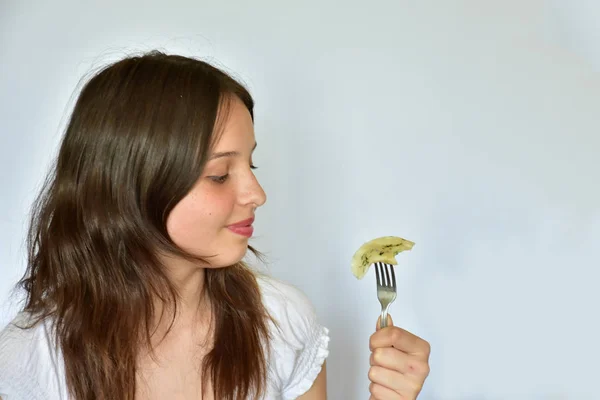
x,y
383,249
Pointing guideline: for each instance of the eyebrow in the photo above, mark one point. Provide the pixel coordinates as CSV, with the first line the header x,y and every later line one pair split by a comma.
x,y
228,153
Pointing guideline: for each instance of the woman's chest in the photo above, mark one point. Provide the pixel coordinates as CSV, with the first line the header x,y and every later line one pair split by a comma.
x,y
175,372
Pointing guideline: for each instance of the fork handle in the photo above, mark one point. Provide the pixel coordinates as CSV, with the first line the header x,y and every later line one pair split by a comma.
x,y
384,317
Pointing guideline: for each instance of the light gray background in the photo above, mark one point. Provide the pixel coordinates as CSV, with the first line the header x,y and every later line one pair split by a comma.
x,y
470,127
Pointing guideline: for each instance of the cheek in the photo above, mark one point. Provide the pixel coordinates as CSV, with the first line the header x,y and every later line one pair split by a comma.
x,y
196,220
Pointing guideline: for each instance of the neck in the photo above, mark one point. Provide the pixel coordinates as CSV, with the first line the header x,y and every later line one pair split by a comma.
x,y
193,306
189,281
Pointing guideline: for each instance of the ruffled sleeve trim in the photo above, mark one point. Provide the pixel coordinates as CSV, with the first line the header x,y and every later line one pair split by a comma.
x,y
310,364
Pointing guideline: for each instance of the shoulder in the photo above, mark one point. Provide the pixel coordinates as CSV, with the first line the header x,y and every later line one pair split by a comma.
x,y
299,343
20,342
291,309
27,359
281,297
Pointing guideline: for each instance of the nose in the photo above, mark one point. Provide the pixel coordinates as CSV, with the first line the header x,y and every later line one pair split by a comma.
x,y
253,193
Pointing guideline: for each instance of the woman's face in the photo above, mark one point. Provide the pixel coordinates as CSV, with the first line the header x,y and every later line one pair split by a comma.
x,y
214,219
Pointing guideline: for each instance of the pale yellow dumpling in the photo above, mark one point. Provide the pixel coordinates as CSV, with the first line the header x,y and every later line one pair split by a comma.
x,y
383,249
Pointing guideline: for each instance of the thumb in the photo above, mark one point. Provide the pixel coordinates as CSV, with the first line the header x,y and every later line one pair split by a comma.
x,y
389,321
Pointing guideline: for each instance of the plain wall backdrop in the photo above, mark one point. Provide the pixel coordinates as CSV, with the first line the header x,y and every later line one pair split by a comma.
x,y
469,127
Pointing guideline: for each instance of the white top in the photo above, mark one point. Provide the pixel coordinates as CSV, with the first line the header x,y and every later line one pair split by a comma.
x,y
31,368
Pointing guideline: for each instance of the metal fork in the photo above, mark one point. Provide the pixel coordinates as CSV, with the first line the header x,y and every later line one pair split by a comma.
x,y
386,289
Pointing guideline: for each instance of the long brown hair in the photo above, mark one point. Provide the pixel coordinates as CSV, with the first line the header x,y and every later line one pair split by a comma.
x,y
137,140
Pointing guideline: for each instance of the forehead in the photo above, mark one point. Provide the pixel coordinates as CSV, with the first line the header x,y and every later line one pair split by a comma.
x,y
237,130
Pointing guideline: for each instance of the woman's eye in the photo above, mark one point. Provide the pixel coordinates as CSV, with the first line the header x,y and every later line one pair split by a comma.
x,y
252,166
219,179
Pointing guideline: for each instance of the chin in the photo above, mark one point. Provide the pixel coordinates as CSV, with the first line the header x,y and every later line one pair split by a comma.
x,y
239,256
231,256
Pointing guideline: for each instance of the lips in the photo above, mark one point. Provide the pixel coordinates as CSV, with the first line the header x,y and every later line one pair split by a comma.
x,y
243,228
241,224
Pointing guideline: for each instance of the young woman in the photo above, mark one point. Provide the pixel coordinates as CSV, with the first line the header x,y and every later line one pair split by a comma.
x,y
135,286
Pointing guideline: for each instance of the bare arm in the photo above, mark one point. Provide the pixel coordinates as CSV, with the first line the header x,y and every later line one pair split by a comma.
x,y
318,391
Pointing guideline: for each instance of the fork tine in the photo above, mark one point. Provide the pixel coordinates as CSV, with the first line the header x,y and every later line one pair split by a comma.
x,y
383,276
393,275
387,274
377,273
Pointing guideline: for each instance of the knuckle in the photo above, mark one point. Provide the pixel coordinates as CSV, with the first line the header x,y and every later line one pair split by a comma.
x,y
371,387
395,335
373,374
377,355
427,348
375,390
371,342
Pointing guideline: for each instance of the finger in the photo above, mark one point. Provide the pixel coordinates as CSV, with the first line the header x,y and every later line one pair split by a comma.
x,y
400,339
379,392
389,319
393,380
394,359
